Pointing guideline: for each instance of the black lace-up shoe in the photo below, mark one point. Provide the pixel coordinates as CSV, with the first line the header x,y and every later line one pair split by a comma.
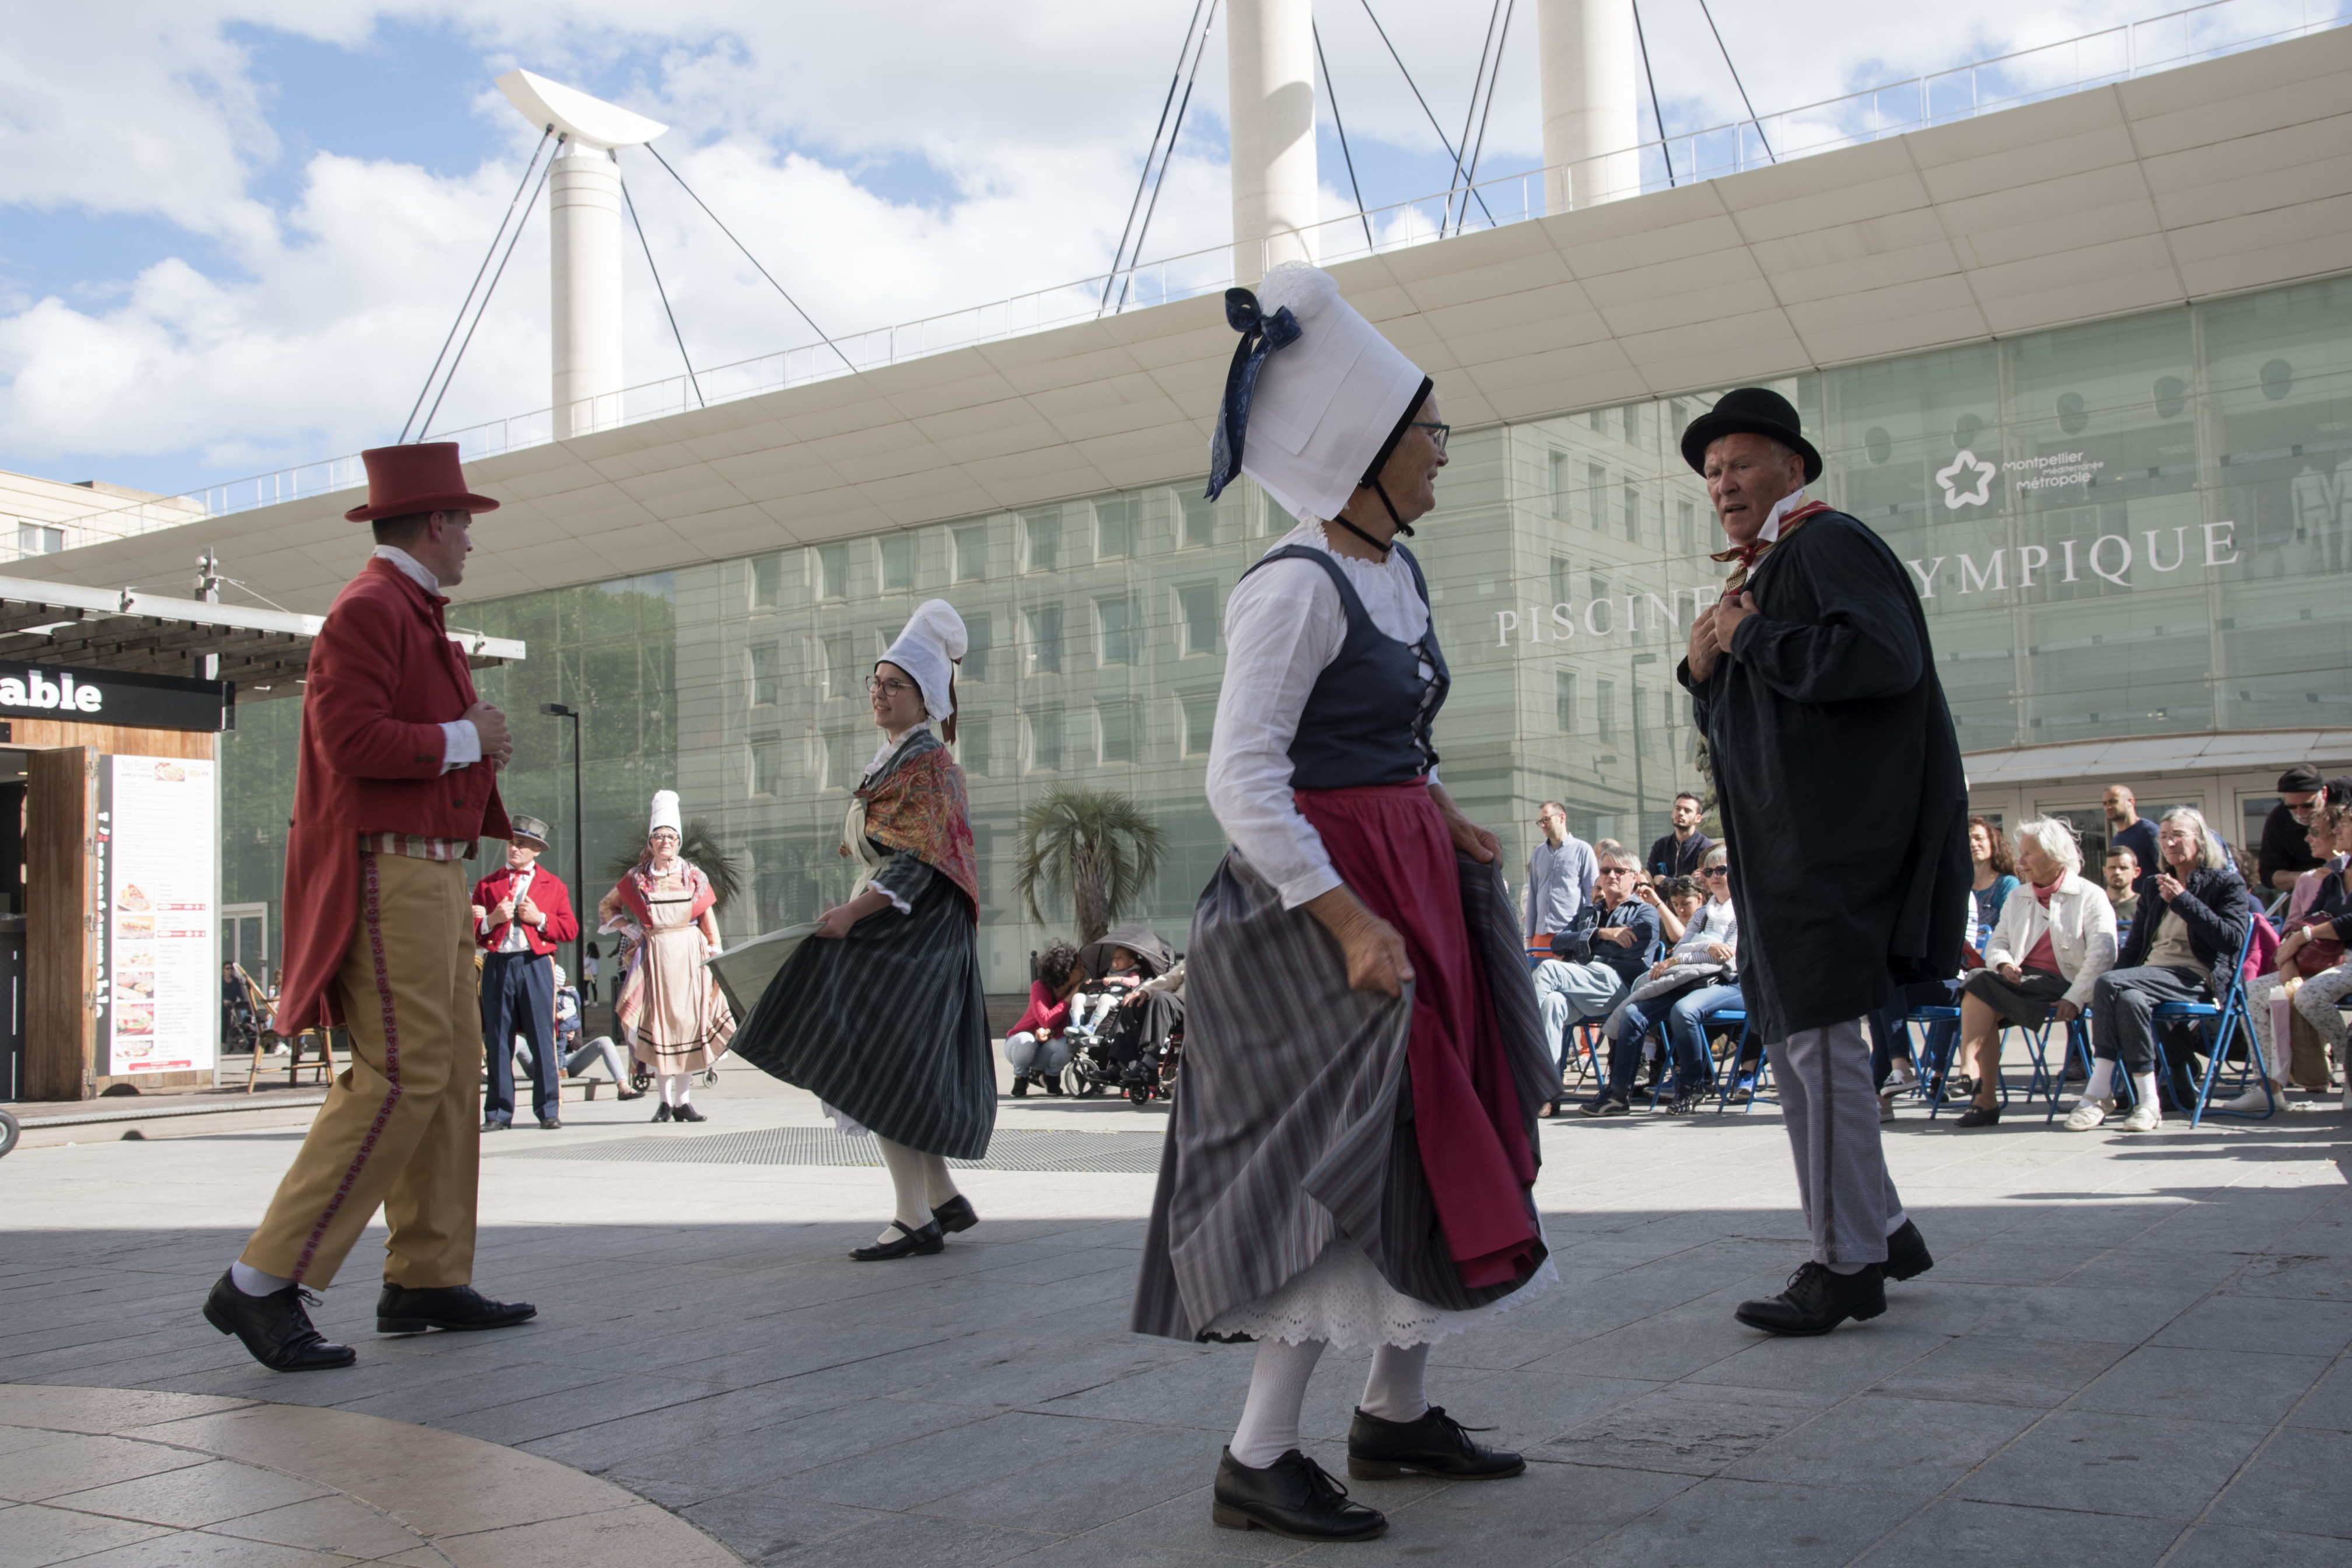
x,y
275,1329
1817,1300
401,1310
1294,1497
1435,1444
1906,1253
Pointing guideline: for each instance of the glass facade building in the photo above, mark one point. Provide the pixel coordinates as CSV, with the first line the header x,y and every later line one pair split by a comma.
x,y
2135,527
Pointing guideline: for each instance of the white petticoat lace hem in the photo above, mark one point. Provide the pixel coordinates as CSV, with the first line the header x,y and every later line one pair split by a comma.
x,y
1341,1299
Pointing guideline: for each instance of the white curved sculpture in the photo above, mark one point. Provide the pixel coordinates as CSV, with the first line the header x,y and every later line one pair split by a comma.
x,y
576,115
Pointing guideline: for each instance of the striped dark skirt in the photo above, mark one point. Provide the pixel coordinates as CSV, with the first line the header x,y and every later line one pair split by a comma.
x,y
888,1025
1294,1118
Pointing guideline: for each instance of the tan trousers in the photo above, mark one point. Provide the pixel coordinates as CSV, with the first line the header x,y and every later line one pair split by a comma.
x,y
401,1129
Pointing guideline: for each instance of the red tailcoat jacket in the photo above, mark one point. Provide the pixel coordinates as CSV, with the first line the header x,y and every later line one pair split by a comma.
x,y
547,891
384,677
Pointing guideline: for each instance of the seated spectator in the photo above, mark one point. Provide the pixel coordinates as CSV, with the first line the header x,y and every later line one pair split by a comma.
x,y
2314,971
1596,960
2284,856
2055,937
1034,1047
1698,976
1996,874
2321,839
2121,874
2199,922
1675,899
1682,852
1122,972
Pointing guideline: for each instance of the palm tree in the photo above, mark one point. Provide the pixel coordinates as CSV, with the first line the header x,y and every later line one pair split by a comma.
x,y
1096,845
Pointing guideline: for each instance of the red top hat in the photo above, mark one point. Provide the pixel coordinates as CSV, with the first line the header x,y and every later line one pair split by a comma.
x,y
424,476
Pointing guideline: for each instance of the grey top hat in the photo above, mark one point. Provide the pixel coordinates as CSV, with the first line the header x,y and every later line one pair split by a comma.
x,y
530,830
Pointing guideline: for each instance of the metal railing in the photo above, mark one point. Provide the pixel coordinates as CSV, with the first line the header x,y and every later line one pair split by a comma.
x,y
2095,59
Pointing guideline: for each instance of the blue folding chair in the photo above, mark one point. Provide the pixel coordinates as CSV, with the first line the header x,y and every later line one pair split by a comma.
x,y
2223,1018
2076,1047
1932,1061
1735,1078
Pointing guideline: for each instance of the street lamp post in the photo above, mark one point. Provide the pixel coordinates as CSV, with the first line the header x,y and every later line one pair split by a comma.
x,y
579,856
1633,680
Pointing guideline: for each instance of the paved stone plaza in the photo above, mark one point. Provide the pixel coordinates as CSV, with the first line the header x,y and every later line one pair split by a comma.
x,y
2131,1351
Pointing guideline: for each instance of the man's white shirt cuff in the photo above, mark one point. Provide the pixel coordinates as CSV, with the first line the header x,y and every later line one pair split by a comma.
x,y
461,744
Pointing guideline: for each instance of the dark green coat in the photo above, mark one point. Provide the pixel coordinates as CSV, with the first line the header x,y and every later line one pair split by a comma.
x,y
1838,781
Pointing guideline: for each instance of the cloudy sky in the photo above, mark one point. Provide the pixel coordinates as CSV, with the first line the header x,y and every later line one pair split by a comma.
x,y
233,233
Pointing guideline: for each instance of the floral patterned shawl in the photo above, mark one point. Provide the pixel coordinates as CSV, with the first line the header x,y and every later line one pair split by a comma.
x,y
917,804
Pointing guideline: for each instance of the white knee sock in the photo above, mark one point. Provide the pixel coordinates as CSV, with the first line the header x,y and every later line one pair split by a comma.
x,y
252,1281
1395,1390
1277,1389
685,1088
938,1185
2103,1078
1898,1222
906,1187
2143,1089
673,1088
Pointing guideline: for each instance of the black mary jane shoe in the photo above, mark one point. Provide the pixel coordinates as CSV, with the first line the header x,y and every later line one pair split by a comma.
x,y
1434,1445
457,1307
919,1242
1979,1116
1818,1299
1293,1497
955,1214
1908,1256
276,1331
687,1113
661,1111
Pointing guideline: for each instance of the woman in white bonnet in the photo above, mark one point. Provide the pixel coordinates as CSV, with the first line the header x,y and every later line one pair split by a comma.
x,y
881,1014
669,1011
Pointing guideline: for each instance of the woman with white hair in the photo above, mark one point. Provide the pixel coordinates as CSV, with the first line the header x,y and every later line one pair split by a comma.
x,y
2055,936
880,1015
2175,953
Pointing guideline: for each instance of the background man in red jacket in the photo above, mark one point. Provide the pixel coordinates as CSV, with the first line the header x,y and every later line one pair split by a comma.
x,y
396,782
524,913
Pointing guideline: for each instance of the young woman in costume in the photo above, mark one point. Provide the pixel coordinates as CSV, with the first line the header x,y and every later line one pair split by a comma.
x,y
1353,1148
881,1014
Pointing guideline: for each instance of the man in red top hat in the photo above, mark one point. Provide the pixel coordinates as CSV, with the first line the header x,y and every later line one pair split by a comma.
x,y
397,779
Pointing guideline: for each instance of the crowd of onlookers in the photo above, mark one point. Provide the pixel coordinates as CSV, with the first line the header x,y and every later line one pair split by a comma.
x,y
1636,964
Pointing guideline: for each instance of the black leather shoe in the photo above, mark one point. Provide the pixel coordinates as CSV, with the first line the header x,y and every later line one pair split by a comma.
x,y
1608,1105
955,1214
401,1310
552,1124
1818,1301
688,1113
494,1126
1021,1086
661,1111
625,1094
1435,1444
1979,1116
1295,1496
1906,1253
922,1243
277,1331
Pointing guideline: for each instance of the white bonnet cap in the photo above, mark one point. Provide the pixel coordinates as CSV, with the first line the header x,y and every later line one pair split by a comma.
x,y
1322,404
666,814
928,650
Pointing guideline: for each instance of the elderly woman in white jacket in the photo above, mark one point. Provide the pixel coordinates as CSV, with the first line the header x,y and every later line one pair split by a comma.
x,y
2055,936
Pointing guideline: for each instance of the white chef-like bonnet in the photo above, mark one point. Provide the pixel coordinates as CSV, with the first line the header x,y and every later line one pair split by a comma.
x,y
1316,398
929,649
665,814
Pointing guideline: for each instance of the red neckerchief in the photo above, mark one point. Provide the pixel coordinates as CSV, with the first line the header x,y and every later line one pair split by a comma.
x,y
1748,554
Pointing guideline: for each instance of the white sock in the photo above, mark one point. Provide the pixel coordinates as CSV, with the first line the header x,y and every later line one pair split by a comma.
x,y
906,1187
1277,1389
1395,1390
252,1281
938,1185
676,1087
1845,1267
2144,1089
1898,1222
2103,1079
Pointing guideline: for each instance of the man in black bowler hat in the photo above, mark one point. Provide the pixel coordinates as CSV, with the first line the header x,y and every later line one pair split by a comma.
x,y
1845,810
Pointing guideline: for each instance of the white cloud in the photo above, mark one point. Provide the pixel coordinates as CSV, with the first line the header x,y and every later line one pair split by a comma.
x,y
312,331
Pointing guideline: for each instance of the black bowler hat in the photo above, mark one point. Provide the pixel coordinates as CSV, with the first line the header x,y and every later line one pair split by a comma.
x,y
1757,410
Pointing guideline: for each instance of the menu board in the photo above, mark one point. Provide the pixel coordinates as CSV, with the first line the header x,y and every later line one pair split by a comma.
x,y
159,856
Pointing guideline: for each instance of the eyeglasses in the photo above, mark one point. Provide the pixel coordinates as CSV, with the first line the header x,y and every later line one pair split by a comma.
x,y
877,687
1716,871
1616,870
1437,433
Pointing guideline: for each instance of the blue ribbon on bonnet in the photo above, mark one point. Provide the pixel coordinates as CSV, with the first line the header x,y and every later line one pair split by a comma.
x,y
1261,335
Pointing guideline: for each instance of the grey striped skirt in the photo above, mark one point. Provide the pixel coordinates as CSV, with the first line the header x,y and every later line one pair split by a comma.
x,y
888,1025
1293,1122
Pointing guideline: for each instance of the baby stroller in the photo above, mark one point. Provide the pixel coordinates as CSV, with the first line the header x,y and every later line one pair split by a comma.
x,y
1123,1048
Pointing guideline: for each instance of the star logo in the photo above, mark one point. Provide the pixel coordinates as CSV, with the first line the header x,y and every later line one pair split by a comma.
x,y
1967,482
